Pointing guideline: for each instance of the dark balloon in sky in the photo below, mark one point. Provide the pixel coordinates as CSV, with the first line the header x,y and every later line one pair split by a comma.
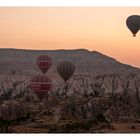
x,y
133,23
44,62
40,85
65,69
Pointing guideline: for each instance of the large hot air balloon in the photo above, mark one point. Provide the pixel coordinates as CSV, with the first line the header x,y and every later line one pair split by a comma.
x,y
44,62
40,85
65,69
133,23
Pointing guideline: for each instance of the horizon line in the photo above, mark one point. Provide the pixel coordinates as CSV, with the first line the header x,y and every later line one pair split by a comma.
x,y
48,50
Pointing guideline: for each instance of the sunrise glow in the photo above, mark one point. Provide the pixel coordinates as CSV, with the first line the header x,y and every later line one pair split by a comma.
x,y
49,28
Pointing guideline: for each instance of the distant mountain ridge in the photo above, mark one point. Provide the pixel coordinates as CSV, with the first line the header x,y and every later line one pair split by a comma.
x,y
24,61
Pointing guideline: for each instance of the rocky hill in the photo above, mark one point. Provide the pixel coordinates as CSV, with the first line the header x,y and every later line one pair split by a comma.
x,y
24,61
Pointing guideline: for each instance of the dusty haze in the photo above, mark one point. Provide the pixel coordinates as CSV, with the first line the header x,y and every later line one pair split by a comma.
x,y
101,29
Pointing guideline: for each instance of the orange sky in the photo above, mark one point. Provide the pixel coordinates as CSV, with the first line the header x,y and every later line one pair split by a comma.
x,y
100,29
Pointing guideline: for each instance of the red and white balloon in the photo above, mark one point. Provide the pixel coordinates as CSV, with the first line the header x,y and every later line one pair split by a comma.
x,y
40,85
44,62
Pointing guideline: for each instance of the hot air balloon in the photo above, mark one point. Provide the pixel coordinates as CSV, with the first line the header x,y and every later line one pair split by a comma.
x,y
44,62
133,23
40,85
65,69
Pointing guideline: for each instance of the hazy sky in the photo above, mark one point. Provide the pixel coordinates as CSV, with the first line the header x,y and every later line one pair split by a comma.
x,y
100,29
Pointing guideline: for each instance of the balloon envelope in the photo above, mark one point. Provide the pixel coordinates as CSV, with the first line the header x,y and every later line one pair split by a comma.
x,y
65,69
40,85
44,62
133,23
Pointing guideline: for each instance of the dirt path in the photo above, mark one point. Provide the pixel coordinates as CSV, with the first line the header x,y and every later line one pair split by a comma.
x,y
24,129
121,128
116,128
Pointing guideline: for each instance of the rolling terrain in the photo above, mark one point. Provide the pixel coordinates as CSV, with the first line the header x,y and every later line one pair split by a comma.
x,y
24,61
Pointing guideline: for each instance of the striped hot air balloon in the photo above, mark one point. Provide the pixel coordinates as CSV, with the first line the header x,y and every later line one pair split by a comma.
x,y
40,85
65,69
44,62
